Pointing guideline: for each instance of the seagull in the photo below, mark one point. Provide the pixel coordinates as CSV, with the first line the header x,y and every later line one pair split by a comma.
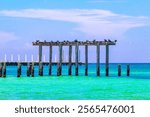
x,y
76,40
105,40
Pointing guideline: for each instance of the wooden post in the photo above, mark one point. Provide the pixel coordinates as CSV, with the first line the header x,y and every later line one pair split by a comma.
x,y
76,59
28,69
40,60
59,68
119,70
40,69
107,60
19,69
1,69
40,53
50,60
128,70
4,70
86,60
70,60
98,57
32,69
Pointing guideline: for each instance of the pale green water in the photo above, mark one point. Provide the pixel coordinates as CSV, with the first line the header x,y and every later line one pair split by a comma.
x,y
79,88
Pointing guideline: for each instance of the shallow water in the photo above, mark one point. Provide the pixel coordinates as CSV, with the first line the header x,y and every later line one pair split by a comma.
x,y
135,87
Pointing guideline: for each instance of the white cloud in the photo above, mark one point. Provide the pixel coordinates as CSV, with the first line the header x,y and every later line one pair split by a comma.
x,y
90,21
7,36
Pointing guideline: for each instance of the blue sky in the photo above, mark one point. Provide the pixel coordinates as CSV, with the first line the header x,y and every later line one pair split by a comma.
x,y
128,21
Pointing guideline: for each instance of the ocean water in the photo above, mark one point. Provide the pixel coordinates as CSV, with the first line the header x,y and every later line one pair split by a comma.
x,y
91,87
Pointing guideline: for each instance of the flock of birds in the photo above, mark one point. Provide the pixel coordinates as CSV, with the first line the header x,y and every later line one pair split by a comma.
x,y
75,41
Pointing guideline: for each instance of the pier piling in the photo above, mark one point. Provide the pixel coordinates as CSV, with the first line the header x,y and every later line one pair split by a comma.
x,y
32,69
107,60
119,70
40,69
98,57
86,60
19,69
128,70
40,53
1,69
28,69
70,61
4,70
59,68
76,59
50,60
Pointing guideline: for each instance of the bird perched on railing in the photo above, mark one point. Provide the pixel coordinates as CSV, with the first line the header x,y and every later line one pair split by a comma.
x,y
76,40
105,40
109,40
94,40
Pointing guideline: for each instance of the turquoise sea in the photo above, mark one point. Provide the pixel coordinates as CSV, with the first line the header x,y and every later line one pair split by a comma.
x,y
135,87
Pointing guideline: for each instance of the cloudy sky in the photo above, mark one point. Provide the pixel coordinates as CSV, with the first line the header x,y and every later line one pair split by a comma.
x,y
128,21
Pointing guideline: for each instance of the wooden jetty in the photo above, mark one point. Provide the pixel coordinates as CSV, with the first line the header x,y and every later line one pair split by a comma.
x,y
60,62
75,43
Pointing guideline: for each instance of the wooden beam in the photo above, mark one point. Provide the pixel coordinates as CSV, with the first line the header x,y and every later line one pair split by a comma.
x,y
73,43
